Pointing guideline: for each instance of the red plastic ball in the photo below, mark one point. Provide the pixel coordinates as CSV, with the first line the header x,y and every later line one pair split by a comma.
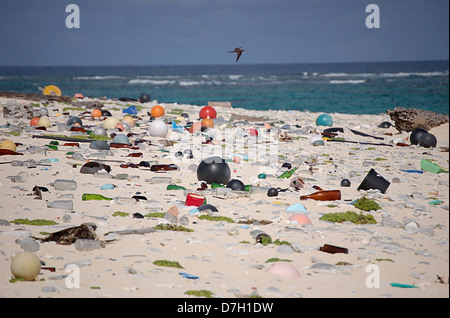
x,y
208,111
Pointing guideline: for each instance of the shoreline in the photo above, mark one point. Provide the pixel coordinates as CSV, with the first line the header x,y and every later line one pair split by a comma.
x,y
408,244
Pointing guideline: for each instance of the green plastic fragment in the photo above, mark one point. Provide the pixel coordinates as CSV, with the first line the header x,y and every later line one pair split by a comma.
x,y
403,285
429,166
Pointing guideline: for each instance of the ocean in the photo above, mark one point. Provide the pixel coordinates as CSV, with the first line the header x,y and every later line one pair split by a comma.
x,y
349,88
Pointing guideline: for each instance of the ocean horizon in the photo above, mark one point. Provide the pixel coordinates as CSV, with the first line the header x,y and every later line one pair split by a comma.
x,y
351,88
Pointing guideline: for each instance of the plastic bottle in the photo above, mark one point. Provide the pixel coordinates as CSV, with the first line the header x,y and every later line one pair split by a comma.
x,y
123,200
156,180
258,190
287,174
62,184
94,196
169,167
86,245
323,195
60,204
234,194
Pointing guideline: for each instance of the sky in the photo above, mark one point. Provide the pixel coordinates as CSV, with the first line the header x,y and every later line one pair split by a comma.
x,y
192,32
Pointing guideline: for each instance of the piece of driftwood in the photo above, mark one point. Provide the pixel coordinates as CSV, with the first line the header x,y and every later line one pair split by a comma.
x,y
144,230
247,117
36,97
409,119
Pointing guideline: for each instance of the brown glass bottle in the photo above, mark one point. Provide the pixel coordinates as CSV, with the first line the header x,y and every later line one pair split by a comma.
x,y
333,249
323,195
169,167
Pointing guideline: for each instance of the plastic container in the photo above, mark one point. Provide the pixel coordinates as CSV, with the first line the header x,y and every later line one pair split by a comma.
x,y
86,245
60,204
63,184
374,181
156,180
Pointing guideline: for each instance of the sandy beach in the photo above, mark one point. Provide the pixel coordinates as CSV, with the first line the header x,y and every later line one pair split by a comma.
x,y
405,254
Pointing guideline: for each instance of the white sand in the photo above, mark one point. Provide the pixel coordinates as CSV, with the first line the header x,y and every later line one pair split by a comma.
x,y
224,264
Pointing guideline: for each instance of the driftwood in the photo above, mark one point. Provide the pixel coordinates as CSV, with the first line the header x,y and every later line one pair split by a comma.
x,y
133,231
36,97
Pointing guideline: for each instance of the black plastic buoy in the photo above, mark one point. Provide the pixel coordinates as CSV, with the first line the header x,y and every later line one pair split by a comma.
x,y
415,135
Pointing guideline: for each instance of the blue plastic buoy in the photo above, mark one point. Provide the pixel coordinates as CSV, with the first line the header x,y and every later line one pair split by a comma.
x,y
324,120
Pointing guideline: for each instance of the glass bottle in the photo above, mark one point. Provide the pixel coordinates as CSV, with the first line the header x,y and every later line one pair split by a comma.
x,y
333,249
169,167
94,196
175,187
287,174
323,195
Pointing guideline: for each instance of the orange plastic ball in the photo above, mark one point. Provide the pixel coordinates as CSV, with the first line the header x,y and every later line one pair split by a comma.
x,y
34,121
96,113
157,111
207,122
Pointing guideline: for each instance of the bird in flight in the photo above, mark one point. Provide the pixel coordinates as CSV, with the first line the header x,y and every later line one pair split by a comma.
x,y
238,51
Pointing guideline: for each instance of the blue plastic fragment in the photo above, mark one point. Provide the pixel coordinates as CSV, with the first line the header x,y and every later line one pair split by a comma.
x,y
130,110
107,186
188,276
412,171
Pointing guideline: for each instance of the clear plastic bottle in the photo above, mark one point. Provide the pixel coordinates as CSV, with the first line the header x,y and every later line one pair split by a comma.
x,y
156,180
63,184
60,204
86,245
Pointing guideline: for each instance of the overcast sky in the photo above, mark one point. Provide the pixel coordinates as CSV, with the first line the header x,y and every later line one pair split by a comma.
x,y
174,32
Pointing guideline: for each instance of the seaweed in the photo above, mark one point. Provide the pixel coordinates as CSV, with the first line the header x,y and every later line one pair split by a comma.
x,y
172,227
36,222
119,213
200,293
351,216
167,263
215,218
366,204
276,259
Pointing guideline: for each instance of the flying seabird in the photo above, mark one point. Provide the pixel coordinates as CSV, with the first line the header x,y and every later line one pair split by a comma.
x,y
238,51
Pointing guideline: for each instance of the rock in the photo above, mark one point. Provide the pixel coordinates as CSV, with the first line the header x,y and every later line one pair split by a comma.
x,y
29,245
411,227
409,119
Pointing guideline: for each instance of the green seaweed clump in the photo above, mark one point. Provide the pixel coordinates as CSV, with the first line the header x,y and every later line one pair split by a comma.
x,y
351,216
215,218
276,259
367,204
166,263
155,215
200,293
278,242
37,222
172,227
119,213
